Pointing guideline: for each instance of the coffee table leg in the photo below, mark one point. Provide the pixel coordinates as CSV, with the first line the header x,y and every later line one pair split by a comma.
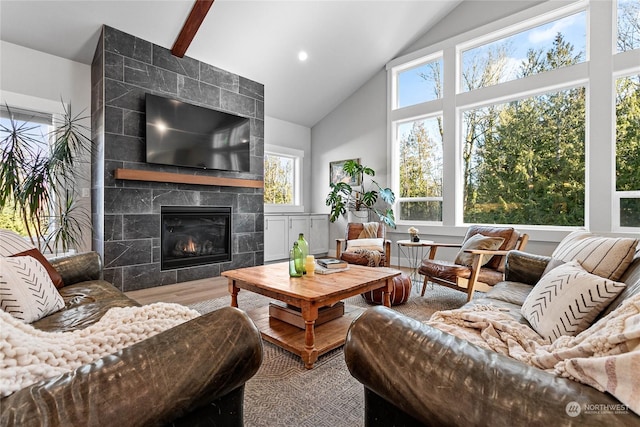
x,y
310,353
233,290
386,293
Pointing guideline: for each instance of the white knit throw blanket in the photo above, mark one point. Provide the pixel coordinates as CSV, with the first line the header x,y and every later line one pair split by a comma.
x,y
606,356
29,355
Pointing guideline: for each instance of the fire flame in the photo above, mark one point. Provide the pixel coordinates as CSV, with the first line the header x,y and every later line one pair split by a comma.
x,y
190,246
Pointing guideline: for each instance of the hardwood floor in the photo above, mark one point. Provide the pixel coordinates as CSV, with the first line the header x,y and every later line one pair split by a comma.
x,y
183,293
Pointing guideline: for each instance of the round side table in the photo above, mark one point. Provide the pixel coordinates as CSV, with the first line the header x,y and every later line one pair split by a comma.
x,y
414,253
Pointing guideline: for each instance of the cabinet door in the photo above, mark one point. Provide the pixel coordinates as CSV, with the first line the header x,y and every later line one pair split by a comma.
x,y
318,234
298,224
276,237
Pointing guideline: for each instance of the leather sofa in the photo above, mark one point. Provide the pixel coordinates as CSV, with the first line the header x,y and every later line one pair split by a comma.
x,y
414,374
192,374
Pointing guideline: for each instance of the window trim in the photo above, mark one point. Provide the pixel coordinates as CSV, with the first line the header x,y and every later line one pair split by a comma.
x,y
298,156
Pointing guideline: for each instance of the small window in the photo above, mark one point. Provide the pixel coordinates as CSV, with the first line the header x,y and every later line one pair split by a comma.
x,y
282,177
420,170
420,83
550,46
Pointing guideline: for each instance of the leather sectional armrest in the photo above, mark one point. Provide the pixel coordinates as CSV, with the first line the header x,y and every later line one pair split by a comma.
x,y
150,383
78,267
440,379
525,267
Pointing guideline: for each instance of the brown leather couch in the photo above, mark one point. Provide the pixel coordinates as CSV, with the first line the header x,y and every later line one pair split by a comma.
x,y
414,374
192,374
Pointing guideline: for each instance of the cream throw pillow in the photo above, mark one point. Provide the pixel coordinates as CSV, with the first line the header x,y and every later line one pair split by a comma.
x,y
369,230
477,241
26,290
567,300
370,244
607,257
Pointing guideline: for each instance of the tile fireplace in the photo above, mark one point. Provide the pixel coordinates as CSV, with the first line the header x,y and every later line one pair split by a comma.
x,y
126,212
194,235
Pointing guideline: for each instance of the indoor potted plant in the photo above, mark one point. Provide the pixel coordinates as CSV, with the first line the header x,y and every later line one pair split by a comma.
x,y
344,197
38,184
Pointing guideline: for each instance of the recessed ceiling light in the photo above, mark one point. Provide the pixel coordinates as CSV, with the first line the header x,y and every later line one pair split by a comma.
x,y
302,55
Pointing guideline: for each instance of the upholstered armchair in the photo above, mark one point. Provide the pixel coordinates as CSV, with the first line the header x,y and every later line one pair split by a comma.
x,y
365,244
480,260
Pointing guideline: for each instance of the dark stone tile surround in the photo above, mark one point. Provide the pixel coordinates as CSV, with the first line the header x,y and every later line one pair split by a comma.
x,y
126,214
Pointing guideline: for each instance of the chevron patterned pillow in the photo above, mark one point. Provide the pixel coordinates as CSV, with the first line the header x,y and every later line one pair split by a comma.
x,y
567,300
26,290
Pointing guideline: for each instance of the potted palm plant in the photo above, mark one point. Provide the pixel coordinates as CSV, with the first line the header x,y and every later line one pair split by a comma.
x,y
344,197
37,185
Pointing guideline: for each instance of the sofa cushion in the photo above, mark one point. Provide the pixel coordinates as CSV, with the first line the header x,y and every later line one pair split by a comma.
x,y
26,290
34,253
477,241
11,243
567,300
608,257
511,292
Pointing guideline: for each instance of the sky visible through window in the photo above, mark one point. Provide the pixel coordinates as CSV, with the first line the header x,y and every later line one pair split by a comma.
x,y
414,88
37,133
516,47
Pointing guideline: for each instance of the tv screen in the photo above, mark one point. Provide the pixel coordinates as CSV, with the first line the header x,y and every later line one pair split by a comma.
x,y
182,134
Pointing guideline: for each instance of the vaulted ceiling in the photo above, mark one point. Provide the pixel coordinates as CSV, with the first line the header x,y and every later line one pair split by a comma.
x,y
347,42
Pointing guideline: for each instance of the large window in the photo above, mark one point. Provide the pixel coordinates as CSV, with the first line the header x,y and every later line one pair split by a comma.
x,y
523,161
521,127
628,150
282,177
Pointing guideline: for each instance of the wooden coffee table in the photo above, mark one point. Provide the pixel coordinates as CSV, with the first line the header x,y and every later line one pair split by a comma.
x,y
309,294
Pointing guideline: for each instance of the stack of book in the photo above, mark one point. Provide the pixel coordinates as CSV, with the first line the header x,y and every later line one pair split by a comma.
x,y
330,265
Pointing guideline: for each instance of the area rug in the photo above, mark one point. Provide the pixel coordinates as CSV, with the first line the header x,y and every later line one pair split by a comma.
x,y
284,393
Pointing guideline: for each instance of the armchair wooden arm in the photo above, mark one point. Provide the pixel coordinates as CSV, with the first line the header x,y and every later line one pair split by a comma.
x,y
434,248
340,246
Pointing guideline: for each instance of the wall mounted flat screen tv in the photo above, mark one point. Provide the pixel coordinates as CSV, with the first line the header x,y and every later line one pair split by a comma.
x,y
183,134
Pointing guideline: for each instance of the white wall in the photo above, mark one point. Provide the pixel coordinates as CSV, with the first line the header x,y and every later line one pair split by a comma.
x,y
358,127
290,135
35,80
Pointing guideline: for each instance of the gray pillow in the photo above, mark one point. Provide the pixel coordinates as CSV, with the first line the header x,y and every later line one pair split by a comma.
x,y
478,241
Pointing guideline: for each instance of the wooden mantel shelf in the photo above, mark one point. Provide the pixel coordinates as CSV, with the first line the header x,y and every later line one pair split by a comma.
x,y
179,178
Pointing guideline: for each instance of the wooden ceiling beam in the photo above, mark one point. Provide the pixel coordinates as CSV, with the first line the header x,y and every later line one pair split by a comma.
x,y
190,27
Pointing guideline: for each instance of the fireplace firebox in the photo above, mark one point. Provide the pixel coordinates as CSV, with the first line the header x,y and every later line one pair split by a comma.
x,y
194,235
